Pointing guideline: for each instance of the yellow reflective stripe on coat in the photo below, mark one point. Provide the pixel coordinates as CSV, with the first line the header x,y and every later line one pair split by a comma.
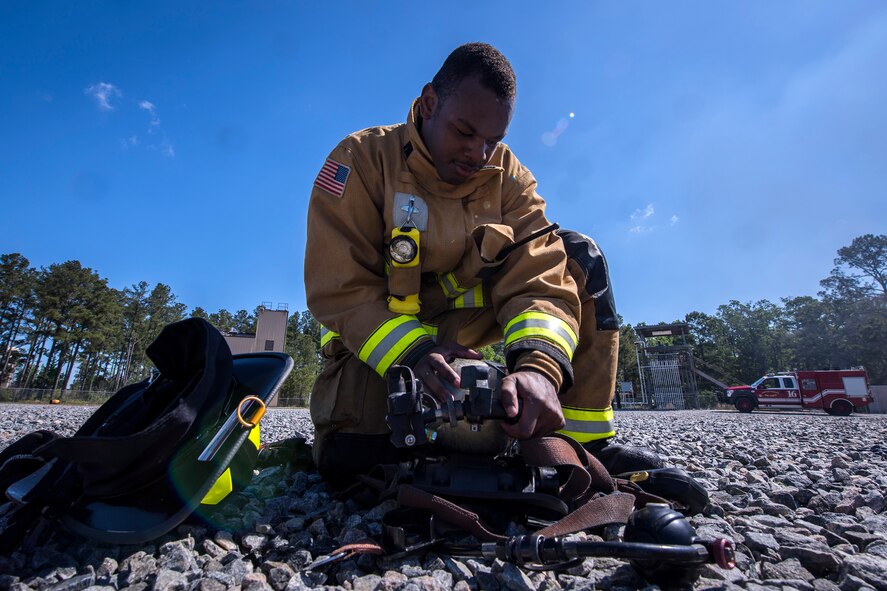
x,y
390,341
586,425
224,485
473,298
450,286
326,335
539,325
431,330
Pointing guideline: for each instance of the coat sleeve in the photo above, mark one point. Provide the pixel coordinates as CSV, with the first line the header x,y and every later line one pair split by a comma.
x,y
345,282
534,296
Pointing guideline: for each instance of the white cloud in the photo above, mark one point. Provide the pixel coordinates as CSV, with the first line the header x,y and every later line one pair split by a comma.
x,y
152,110
674,219
644,213
103,92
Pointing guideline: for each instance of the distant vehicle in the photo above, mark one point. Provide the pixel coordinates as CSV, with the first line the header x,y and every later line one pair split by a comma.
x,y
837,392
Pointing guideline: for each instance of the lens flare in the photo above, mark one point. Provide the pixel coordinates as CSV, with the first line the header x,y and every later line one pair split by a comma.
x,y
549,138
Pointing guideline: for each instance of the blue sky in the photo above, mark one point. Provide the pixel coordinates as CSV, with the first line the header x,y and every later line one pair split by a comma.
x,y
717,150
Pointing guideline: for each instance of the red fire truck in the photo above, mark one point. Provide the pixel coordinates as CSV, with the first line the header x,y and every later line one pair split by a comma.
x,y
837,392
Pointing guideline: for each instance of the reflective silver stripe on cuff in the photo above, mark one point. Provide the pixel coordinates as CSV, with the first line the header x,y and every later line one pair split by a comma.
x,y
574,426
546,325
390,342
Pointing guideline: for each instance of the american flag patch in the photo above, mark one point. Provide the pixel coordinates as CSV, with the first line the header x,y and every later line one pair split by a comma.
x,y
332,177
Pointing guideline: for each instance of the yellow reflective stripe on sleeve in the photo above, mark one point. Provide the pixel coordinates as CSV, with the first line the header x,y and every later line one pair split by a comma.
x,y
539,325
390,341
326,335
450,286
473,298
586,425
431,330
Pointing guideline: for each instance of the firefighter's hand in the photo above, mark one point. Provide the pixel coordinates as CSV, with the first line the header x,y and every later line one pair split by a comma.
x,y
540,410
435,372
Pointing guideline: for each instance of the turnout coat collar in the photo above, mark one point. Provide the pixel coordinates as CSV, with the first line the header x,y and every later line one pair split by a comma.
x,y
419,163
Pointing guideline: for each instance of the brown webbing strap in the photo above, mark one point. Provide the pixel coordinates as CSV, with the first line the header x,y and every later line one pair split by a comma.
x,y
601,510
410,496
383,479
643,497
600,478
565,453
554,453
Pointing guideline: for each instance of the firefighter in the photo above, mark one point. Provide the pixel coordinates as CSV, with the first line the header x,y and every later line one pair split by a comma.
x,y
428,238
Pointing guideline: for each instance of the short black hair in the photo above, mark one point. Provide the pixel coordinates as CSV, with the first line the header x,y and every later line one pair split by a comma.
x,y
476,59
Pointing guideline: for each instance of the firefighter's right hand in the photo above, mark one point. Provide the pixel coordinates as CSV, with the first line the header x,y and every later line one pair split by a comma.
x,y
530,397
435,372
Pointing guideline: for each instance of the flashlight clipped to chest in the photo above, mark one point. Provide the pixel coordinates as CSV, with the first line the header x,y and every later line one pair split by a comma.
x,y
403,252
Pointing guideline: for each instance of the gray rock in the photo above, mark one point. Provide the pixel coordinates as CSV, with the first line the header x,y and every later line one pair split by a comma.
x,y
278,574
878,549
254,542
207,584
170,580
299,560
318,528
874,500
255,582
178,557
348,571
222,577
430,583
865,567
862,539
238,569
851,583
515,579
225,540
459,570
761,542
816,558
212,549
787,569
76,583
137,568
824,585
392,580
486,580
107,568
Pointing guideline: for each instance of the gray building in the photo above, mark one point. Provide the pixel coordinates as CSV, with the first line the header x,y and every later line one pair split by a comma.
x,y
270,333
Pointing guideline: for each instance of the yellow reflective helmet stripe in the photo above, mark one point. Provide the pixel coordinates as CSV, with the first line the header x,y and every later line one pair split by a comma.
x,y
539,325
473,298
255,437
326,335
586,425
390,341
224,485
221,489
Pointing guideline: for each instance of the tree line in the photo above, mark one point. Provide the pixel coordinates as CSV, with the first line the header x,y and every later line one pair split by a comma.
x,y
844,326
63,326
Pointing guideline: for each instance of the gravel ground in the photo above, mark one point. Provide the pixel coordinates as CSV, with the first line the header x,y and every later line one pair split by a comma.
x,y
801,494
